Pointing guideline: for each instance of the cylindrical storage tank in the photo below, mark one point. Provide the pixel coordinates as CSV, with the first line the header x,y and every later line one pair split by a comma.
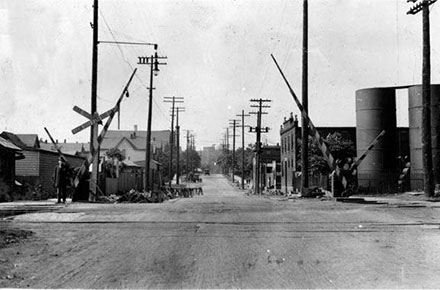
x,y
376,111
415,134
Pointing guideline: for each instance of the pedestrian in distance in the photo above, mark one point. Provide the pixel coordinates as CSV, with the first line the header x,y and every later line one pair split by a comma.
x,y
61,178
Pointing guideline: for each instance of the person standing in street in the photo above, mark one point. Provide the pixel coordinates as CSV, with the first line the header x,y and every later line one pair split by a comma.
x,y
60,179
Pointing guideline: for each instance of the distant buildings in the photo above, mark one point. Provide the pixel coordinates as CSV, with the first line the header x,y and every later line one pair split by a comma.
x,y
270,167
209,156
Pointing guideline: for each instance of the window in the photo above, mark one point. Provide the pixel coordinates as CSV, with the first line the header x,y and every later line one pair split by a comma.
x,y
292,141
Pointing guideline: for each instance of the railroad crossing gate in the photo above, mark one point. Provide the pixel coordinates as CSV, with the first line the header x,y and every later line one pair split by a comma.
x,y
94,119
339,175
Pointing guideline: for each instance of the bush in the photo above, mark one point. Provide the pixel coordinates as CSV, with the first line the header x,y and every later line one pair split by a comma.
x,y
30,192
4,191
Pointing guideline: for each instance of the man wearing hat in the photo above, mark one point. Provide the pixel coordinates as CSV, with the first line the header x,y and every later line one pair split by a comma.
x,y
61,178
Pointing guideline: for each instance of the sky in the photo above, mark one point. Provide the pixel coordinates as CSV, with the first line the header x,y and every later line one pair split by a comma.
x,y
218,59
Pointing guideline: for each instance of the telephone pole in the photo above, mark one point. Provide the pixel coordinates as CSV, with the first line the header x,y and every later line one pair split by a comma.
x,y
178,109
188,144
305,103
94,127
226,151
154,63
258,130
172,100
234,125
426,96
242,145
140,58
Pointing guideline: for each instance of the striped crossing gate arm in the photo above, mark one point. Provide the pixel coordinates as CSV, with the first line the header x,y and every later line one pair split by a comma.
x,y
101,136
371,146
404,173
55,144
322,146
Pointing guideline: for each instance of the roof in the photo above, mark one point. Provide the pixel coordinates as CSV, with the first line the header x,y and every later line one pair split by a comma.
x,y
30,140
8,144
130,163
13,138
67,148
22,140
141,163
137,138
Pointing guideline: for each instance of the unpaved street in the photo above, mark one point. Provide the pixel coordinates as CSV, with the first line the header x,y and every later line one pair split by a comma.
x,y
226,239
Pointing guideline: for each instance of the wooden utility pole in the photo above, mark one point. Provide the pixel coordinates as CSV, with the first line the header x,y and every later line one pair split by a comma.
x,y
178,109
426,97
172,100
154,63
234,125
148,141
170,169
227,140
304,123
94,127
258,130
242,145
119,118
187,153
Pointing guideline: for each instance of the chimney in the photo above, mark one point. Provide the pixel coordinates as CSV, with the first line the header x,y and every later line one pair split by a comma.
x,y
65,140
56,141
135,128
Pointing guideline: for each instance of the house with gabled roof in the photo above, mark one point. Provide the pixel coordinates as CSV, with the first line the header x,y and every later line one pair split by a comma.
x,y
134,142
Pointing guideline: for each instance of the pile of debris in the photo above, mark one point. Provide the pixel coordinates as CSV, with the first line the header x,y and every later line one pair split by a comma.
x,y
134,196
12,235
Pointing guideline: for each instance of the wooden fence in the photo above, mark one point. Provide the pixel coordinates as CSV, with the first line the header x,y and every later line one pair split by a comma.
x,y
125,182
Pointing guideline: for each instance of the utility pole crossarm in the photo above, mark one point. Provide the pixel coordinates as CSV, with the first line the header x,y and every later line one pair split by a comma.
x,y
419,6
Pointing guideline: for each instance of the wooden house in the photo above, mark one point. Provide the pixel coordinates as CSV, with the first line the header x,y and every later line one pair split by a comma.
x,y
9,153
38,165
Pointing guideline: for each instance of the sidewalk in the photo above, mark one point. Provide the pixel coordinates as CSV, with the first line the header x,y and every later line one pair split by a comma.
x,y
407,199
402,199
29,206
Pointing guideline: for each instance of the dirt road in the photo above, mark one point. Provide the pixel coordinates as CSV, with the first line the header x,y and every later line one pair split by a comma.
x,y
225,239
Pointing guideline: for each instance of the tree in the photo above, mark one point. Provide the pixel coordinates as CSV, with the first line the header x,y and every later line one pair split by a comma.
x,y
339,147
248,161
163,157
194,160
113,164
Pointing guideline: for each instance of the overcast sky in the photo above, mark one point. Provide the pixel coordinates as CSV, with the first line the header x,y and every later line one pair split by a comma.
x,y
218,59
